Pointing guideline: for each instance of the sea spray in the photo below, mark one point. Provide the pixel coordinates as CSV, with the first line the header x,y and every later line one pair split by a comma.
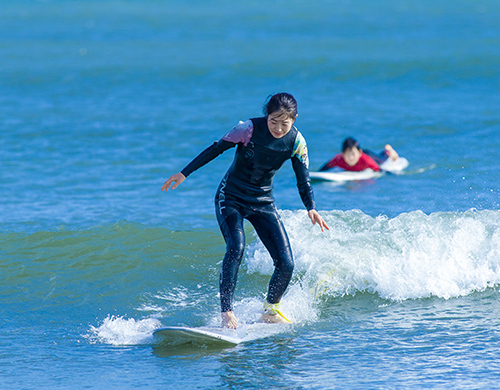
x,y
117,330
414,255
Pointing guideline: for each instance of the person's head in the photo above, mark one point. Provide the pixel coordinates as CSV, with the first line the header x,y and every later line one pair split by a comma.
x,y
351,152
281,112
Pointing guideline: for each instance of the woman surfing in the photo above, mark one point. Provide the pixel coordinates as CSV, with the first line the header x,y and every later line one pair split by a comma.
x,y
245,192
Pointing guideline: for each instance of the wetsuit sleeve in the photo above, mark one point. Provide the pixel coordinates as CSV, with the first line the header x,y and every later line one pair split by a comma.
x,y
324,167
214,150
300,163
241,133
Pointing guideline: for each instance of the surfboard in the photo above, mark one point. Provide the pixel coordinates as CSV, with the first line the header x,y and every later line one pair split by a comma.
x,y
343,176
395,166
212,336
340,176
177,335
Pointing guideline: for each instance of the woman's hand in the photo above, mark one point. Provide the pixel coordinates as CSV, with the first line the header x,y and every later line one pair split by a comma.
x,y
177,179
316,219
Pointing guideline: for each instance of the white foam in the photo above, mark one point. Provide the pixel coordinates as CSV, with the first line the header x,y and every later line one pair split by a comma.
x,y
408,257
123,331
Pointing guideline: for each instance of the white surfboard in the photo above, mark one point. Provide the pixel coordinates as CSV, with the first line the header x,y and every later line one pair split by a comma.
x,y
395,166
344,176
216,336
177,335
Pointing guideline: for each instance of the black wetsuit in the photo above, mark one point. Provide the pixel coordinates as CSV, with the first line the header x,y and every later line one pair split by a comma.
x,y
245,192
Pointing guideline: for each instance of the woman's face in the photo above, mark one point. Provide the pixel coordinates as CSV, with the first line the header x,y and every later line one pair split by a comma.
x,y
279,124
351,156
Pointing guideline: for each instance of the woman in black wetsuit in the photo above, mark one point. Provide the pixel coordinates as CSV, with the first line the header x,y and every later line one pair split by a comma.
x,y
245,192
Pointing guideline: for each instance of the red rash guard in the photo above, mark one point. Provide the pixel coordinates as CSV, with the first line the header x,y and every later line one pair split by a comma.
x,y
364,162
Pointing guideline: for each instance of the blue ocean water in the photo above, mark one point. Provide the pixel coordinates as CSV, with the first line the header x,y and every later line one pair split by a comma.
x,y
101,101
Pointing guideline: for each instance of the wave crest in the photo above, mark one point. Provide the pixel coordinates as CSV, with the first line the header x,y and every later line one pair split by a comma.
x,y
414,255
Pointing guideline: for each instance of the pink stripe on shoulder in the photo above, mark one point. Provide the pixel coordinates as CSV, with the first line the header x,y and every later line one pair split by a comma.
x,y
241,133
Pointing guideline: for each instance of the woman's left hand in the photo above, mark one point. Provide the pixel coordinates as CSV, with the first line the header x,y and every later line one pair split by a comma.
x,y
316,219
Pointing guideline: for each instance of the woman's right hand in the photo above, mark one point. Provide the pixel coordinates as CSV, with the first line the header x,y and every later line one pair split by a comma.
x,y
177,179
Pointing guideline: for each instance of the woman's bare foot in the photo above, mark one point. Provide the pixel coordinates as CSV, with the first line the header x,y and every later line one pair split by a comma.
x,y
392,153
229,320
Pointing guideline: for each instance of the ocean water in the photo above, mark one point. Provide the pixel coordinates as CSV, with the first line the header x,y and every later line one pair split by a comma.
x,y
101,101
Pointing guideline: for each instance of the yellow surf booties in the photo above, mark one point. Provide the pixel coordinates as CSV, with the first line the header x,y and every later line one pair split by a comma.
x,y
273,315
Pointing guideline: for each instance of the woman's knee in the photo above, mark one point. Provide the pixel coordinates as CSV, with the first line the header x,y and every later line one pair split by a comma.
x,y
235,245
286,266
235,250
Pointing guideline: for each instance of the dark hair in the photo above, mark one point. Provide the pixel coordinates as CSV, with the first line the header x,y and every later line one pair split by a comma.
x,y
281,102
349,143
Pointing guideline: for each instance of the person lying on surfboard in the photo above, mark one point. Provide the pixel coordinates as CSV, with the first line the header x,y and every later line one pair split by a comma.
x,y
354,159
245,192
